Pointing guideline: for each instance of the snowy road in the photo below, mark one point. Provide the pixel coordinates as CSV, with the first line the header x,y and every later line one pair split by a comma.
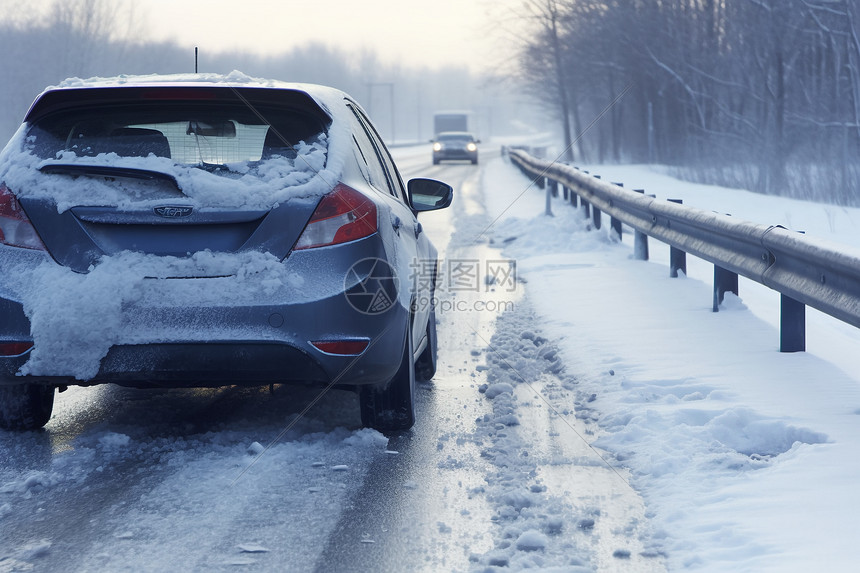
x,y
496,473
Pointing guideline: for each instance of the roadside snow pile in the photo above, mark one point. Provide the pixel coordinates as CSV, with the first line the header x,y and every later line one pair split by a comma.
x,y
733,439
733,445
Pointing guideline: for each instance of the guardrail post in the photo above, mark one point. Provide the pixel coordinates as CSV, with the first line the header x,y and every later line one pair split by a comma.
x,y
792,330
677,257
541,182
640,246
595,217
574,199
615,226
587,206
548,210
724,281
565,191
640,240
553,186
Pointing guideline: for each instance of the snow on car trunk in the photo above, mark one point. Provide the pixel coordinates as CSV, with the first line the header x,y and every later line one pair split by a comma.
x,y
76,318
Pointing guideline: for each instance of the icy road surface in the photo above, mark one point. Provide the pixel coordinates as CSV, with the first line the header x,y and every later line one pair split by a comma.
x,y
497,473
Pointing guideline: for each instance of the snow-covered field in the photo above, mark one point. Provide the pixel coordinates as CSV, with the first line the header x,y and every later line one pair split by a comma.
x,y
747,458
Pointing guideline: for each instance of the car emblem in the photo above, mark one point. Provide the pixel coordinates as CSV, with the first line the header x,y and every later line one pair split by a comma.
x,y
172,212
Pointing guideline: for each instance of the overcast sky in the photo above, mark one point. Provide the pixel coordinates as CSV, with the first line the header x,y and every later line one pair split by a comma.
x,y
414,32
427,32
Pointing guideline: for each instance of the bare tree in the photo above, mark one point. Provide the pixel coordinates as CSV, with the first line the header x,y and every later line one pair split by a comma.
x,y
759,93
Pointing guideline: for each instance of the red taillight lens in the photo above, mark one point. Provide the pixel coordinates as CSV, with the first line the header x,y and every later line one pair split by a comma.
x,y
15,228
342,216
14,348
343,347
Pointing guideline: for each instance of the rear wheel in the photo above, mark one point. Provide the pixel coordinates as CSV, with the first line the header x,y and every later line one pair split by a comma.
x,y
25,406
391,406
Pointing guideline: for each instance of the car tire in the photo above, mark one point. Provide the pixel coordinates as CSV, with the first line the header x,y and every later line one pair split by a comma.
x,y
474,162
25,406
425,366
390,406
435,161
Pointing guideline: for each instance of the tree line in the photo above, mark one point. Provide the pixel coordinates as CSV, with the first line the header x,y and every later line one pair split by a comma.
x,y
763,94
101,38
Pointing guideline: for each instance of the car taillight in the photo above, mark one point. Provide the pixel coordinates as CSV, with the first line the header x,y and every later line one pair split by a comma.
x,y
349,347
342,216
14,348
15,227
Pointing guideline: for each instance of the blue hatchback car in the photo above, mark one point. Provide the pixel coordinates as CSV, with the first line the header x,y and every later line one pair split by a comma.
x,y
205,230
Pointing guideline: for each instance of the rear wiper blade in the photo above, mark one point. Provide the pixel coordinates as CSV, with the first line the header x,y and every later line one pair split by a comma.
x,y
108,171
212,167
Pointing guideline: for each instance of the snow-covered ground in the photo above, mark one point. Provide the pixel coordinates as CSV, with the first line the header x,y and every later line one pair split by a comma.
x,y
747,458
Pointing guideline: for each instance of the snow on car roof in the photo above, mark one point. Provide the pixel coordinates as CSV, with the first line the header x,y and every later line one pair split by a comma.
x,y
19,169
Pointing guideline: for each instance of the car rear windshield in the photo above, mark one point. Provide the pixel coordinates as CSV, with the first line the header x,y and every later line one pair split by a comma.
x,y
189,133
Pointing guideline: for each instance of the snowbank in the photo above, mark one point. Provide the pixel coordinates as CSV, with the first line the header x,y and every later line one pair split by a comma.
x,y
744,455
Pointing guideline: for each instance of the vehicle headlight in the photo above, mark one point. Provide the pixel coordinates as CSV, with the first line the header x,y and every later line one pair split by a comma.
x,y
437,146
472,147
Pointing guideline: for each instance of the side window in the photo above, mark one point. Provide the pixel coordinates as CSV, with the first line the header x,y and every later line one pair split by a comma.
x,y
375,172
395,183
362,161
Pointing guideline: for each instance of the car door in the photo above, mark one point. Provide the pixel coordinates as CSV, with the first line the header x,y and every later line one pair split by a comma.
x,y
414,251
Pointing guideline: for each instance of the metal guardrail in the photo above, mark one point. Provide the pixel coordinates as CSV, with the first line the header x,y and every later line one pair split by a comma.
x,y
804,270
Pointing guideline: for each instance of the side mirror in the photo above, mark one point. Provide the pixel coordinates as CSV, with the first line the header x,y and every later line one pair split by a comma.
x,y
429,194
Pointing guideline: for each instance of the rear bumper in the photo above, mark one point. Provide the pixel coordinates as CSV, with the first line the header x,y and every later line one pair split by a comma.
x,y
205,364
285,357
229,342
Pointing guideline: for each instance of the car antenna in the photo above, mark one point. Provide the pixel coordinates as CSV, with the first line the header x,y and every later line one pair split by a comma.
x,y
195,59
